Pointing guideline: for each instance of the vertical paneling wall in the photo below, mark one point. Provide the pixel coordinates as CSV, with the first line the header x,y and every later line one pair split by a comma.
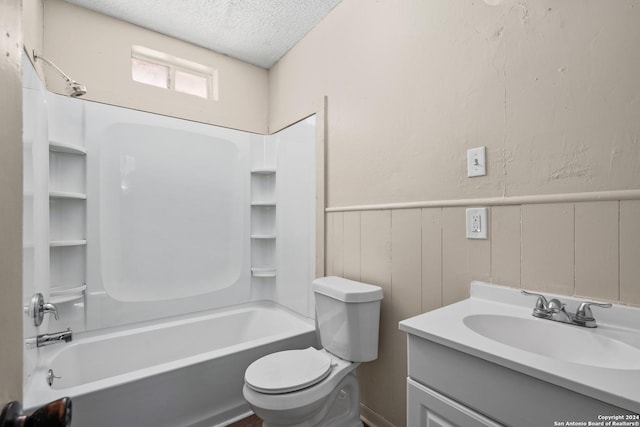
x,y
422,260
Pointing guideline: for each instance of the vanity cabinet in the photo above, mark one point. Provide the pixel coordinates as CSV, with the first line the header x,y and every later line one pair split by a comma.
x,y
428,408
447,387
487,361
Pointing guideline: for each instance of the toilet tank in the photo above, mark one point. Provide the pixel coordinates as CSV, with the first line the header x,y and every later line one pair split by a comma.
x,y
348,317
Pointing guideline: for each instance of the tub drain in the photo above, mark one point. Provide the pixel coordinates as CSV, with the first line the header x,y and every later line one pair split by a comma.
x,y
50,377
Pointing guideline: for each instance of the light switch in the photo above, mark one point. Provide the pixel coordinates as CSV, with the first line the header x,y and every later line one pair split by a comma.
x,y
476,162
476,223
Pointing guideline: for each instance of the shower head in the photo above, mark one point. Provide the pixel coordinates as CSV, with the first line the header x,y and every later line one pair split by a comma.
x,y
74,89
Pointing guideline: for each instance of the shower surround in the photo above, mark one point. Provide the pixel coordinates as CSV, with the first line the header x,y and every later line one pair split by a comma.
x,y
136,222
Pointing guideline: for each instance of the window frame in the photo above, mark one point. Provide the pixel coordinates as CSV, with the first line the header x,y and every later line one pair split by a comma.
x,y
174,63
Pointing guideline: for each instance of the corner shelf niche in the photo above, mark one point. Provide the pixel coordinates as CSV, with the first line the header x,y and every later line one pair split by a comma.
x,y
263,272
63,243
67,219
62,147
263,236
263,222
60,295
67,195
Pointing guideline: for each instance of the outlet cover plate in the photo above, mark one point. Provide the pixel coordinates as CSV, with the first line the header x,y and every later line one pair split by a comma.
x,y
476,223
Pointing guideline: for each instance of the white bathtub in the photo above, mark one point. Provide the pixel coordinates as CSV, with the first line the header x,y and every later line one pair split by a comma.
x,y
188,371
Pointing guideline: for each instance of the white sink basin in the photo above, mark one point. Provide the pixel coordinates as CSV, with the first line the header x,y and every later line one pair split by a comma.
x,y
495,325
573,344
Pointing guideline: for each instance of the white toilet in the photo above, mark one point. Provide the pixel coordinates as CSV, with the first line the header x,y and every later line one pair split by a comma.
x,y
318,387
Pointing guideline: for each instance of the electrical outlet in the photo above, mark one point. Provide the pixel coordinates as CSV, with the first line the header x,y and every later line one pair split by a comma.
x,y
476,223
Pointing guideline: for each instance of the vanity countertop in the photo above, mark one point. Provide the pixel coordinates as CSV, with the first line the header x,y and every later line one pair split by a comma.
x,y
602,362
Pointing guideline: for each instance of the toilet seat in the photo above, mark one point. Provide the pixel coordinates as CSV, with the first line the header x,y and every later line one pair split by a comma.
x,y
288,371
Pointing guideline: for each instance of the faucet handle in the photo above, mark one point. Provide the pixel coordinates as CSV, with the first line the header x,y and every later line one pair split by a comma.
x,y
38,308
584,313
541,308
50,308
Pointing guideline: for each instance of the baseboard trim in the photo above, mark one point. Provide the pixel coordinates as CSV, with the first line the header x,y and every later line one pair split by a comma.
x,y
372,419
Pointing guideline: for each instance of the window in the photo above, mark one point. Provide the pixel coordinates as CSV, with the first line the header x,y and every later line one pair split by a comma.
x,y
191,83
149,73
166,71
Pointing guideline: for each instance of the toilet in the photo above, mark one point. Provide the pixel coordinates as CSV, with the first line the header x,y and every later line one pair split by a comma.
x,y
311,387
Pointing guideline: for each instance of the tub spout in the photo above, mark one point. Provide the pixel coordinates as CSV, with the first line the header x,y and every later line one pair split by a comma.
x,y
54,338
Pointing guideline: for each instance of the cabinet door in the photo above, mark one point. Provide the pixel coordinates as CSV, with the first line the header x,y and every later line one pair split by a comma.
x,y
428,408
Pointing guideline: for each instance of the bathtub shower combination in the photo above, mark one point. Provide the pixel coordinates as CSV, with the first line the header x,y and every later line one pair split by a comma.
x,y
182,372
169,252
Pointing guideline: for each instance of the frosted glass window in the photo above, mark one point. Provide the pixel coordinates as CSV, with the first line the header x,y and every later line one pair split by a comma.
x,y
150,73
167,71
191,84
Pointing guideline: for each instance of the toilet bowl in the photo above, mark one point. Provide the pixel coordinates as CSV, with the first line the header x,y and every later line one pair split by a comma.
x,y
304,405
311,387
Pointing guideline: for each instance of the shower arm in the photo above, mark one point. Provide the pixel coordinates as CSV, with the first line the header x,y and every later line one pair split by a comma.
x,y
74,89
55,67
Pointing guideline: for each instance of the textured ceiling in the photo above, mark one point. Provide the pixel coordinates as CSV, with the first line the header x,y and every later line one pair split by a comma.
x,y
256,31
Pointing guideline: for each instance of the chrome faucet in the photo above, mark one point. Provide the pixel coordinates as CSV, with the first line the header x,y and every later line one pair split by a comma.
x,y
554,310
38,308
54,338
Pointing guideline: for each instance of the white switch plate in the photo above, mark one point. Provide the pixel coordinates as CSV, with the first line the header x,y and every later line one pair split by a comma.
x,y
476,162
476,223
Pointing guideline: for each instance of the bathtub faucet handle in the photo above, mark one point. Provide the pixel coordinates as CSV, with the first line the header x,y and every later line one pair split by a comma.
x,y
50,308
38,308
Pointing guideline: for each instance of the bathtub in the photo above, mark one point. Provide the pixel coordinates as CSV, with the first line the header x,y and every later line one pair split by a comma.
x,y
186,371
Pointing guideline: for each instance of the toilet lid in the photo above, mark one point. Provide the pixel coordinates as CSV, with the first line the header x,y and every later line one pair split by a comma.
x,y
288,371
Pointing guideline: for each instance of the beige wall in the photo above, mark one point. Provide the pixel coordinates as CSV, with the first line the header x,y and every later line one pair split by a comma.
x,y
96,50
550,88
33,26
10,202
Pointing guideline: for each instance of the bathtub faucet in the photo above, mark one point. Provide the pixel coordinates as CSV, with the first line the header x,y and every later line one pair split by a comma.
x,y
38,308
54,338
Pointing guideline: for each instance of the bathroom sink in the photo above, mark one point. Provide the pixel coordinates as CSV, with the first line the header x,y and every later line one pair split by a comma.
x,y
591,347
477,338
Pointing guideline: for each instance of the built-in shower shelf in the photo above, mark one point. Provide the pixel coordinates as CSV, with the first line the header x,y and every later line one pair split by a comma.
x,y
263,272
62,294
263,221
265,171
62,243
67,195
263,236
62,147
